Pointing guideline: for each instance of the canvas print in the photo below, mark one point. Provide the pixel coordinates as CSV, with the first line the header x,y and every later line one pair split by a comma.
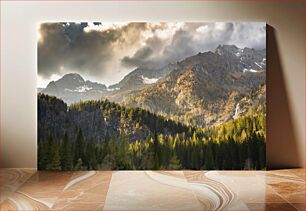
x,y
138,96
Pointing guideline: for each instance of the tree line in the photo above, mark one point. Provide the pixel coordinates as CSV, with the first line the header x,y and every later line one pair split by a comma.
x,y
238,144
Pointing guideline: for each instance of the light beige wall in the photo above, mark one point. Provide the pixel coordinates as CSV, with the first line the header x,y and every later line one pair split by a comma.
x,y
18,67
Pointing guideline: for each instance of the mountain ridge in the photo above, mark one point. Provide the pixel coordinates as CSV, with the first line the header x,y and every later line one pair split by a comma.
x,y
201,89
205,88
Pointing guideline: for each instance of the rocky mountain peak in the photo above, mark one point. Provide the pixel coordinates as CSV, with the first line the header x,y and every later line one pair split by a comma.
x,y
227,49
72,88
205,87
73,76
68,81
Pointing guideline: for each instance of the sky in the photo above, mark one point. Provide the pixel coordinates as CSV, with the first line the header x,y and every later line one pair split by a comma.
x,y
106,52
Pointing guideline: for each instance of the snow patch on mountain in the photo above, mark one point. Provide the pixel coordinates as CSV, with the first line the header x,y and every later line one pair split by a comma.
x,y
146,80
239,53
112,89
80,89
250,70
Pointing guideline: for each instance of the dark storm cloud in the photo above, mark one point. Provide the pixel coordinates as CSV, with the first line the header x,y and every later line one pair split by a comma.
x,y
147,56
140,57
144,55
67,46
180,47
51,48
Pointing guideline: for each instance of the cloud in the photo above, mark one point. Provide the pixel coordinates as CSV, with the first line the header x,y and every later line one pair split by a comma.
x,y
141,56
191,38
68,47
146,55
51,48
249,35
108,51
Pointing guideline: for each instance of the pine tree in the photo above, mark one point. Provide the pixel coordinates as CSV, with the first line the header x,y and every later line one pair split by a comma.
x,y
156,151
262,154
79,147
174,163
54,159
42,156
66,154
234,154
122,153
79,165
209,157
90,159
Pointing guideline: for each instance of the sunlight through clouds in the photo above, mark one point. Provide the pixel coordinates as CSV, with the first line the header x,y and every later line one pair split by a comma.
x,y
106,52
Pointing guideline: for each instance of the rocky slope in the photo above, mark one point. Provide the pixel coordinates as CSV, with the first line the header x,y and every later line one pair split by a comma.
x,y
139,79
205,89
100,120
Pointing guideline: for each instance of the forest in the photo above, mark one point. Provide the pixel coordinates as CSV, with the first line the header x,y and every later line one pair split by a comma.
x,y
102,135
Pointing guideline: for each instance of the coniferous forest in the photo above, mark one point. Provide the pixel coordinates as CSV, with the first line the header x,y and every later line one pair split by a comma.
x,y
103,135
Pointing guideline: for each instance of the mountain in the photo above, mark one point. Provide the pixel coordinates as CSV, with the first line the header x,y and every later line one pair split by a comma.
x,y
138,79
141,76
250,60
202,90
205,89
73,88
